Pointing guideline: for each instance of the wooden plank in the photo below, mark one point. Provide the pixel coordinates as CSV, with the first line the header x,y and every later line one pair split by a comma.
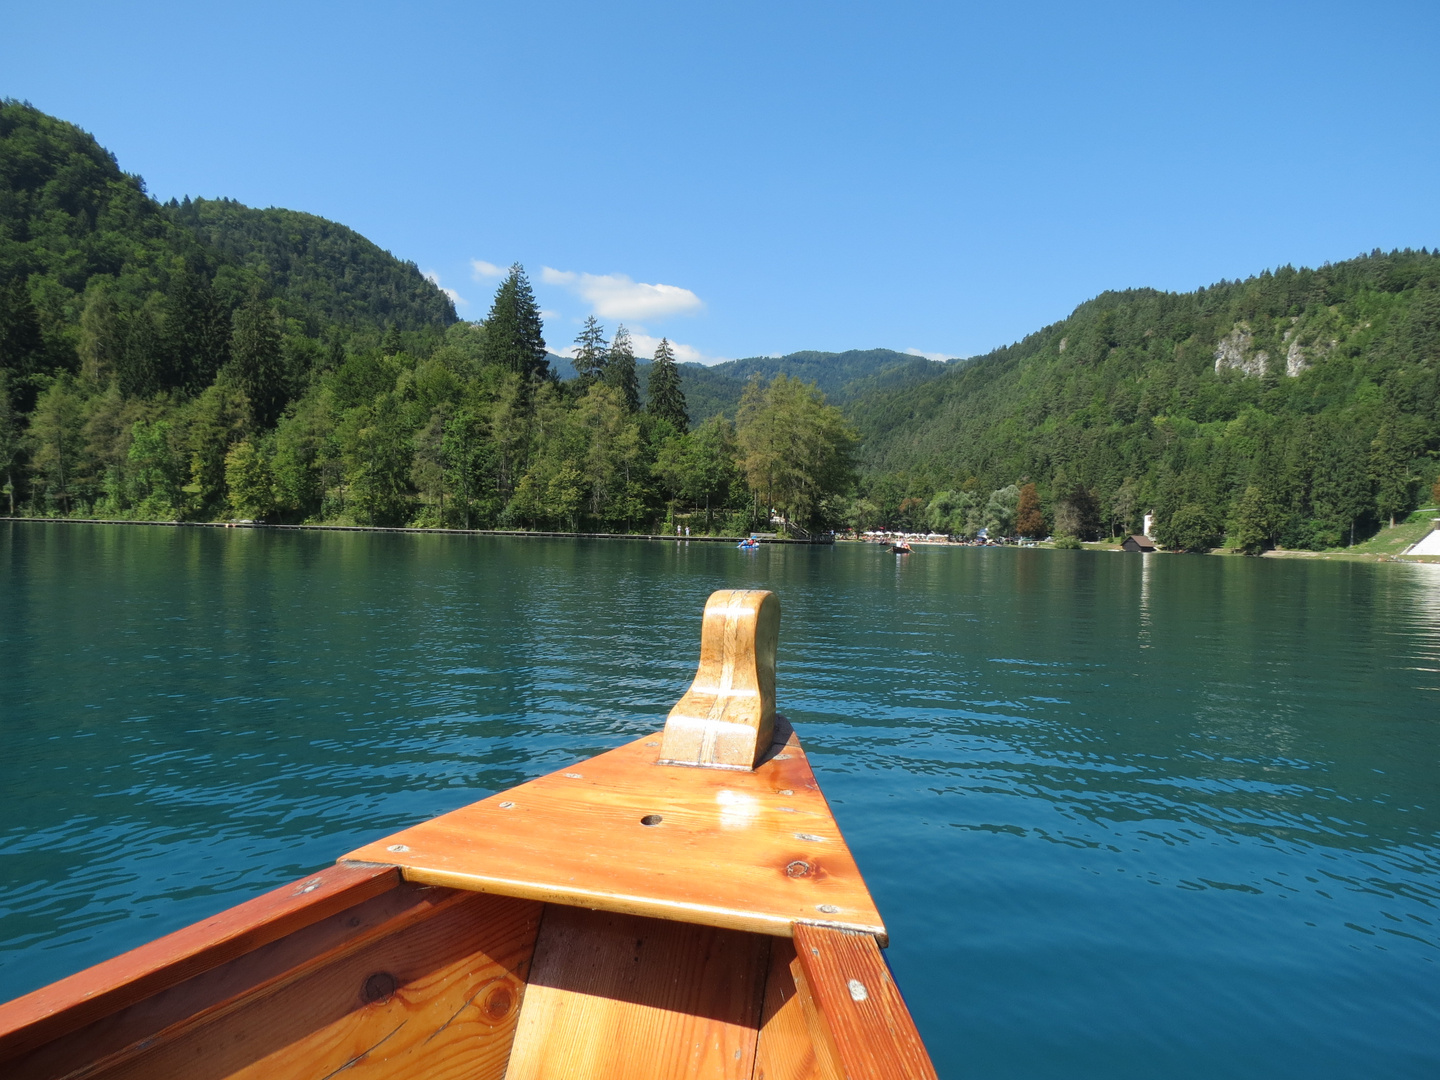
x,y
727,717
72,1003
619,997
755,851
787,1050
437,1000
853,995
203,998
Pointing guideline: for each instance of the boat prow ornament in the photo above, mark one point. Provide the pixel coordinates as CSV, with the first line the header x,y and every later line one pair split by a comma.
x,y
682,906
727,717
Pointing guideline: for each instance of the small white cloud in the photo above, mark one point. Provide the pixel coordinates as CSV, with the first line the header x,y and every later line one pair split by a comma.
x,y
481,270
645,346
928,355
615,296
455,298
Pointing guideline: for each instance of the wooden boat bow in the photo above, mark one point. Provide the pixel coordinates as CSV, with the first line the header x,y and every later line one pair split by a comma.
x,y
682,906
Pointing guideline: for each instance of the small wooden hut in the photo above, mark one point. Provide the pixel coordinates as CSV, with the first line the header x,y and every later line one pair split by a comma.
x,y
1138,542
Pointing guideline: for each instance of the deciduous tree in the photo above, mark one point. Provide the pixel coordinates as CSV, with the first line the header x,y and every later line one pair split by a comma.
x,y
1029,521
795,449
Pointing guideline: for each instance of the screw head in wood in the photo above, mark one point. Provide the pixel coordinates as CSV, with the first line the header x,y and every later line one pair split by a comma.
x,y
651,819
828,909
398,847
858,991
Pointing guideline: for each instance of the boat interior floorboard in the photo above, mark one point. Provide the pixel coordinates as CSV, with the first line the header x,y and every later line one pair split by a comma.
x,y
625,997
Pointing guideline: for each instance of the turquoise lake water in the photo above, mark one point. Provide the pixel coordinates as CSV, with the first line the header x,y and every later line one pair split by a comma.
x,y
1125,816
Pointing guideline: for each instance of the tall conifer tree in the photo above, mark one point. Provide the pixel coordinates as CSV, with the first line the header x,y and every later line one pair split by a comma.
x,y
590,352
667,400
256,360
514,334
620,369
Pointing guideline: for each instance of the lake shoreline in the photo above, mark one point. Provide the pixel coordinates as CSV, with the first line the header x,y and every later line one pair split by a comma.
x,y
1342,556
412,529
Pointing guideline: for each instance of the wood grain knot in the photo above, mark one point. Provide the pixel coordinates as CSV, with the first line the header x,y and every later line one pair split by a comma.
x,y
378,987
498,1003
798,868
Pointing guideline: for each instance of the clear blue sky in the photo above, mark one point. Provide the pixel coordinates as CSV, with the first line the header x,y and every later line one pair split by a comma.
x,y
944,177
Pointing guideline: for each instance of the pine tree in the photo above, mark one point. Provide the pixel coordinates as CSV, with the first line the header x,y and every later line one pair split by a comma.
x,y
248,478
197,332
590,353
142,364
100,338
620,369
57,440
9,439
667,400
514,334
21,344
1250,530
257,362
1390,456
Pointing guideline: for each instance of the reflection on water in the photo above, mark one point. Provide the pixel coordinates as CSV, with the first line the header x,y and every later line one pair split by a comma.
x,y
1125,815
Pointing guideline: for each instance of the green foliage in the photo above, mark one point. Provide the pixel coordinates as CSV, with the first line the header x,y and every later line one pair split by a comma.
x,y
957,513
1189,528
1066,542
700,467
1143,400
665,400
1000,510
56,444
620,371
141,346
320,273
590,352
795,449
157,470
1253,524
256,362
250,482
10,441
1077,510
842,377
514,338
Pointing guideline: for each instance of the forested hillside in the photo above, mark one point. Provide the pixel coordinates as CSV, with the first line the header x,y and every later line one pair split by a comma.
x,y
319,271
202,360
1300,407
841,377
99,279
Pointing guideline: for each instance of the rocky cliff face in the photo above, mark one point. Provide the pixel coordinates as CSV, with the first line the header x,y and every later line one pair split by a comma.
x,y
1235,351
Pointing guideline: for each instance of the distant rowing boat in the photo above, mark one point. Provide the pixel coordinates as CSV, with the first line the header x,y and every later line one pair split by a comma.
x,y
682,906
